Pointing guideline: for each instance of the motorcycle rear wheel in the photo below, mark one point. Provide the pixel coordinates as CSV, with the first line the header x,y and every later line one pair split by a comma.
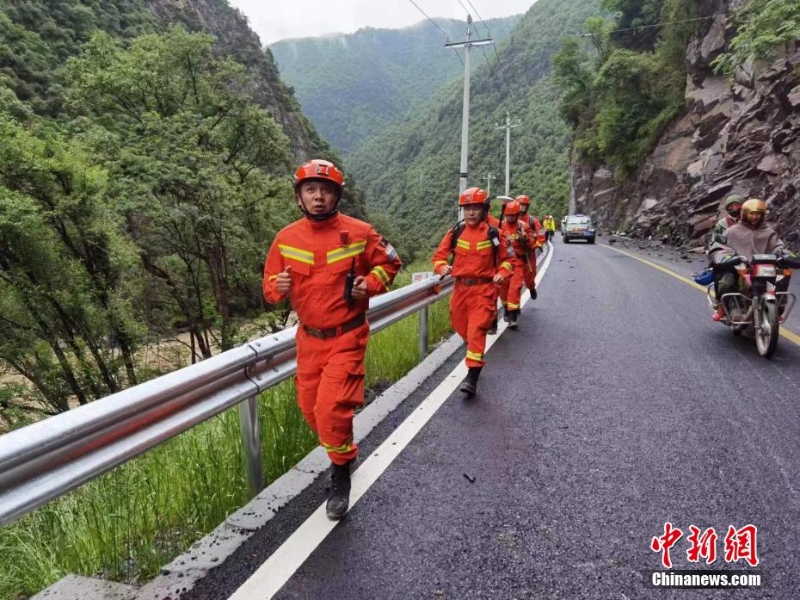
x,y
767,332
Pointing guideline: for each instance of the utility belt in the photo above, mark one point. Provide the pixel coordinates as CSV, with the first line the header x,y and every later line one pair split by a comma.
x,y
470,281
332,332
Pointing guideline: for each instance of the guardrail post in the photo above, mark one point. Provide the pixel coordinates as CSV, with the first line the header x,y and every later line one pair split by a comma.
x,y
423,333
251,442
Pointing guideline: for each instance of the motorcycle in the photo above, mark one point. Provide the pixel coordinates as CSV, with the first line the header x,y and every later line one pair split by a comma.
x,y
758,308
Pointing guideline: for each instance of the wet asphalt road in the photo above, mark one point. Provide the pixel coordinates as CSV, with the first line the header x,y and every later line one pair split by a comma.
x,y
617,406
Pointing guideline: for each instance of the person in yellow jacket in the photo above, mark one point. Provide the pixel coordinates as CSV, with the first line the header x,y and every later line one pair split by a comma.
x,y
549,225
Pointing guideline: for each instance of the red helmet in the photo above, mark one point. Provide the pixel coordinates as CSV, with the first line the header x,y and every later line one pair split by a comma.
x,y
513,209
522,199
473,195
319,169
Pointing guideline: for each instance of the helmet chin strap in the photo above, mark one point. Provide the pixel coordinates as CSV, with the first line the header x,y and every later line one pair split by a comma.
x,y
323,216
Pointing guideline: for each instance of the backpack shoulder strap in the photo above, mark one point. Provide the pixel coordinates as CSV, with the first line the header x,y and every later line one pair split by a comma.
x,y
456,232
494,237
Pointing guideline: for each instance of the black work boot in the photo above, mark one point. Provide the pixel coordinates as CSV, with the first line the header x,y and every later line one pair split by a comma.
x,y
533,292
506,314
493,329
470,383
339,496
512,319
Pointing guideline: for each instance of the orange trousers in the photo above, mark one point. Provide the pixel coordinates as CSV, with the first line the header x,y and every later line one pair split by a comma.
x,y
511,289
330,386
529,273
472,310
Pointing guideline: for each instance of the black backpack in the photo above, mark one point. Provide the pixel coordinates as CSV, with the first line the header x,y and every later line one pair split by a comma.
x,y
493,234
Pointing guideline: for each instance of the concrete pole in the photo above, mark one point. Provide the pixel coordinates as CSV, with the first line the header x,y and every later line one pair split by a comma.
x,y
462,178
462,181
508,127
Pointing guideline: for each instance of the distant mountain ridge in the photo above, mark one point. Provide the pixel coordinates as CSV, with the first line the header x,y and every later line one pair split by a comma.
x,y
410,171
352,86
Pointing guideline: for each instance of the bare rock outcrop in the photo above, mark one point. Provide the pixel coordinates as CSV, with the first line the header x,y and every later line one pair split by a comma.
x,y
736,135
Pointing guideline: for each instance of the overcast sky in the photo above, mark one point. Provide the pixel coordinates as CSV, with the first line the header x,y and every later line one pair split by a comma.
x,y
275,20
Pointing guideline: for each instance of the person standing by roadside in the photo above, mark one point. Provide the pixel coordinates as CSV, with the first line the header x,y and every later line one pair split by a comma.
x,y
328,265
549,227
480,261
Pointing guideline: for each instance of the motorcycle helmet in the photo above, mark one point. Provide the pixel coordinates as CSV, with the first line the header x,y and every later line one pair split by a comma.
x,y
730,205
754,211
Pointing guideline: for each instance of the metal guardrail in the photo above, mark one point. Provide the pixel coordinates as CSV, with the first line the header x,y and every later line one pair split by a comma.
x,y
45,460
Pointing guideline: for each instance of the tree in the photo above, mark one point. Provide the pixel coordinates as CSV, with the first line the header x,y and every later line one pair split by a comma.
x,y
188,155
764,28
67,276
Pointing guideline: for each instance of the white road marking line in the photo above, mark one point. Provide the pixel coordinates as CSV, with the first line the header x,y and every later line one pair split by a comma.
x,y
284,562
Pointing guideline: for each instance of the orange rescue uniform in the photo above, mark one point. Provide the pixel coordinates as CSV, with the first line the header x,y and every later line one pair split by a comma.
x,y
473,305
520,238
333,332
529,268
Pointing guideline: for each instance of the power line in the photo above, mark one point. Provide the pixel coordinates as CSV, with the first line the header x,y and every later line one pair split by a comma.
x,y
479,17
651,26
429,19
500,69
446,37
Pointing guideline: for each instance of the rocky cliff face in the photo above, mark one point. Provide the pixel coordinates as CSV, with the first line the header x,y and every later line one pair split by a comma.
x,y
738,135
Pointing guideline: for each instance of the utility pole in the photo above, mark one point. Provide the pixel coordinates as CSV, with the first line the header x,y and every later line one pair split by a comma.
x,y
489,178
462,182
508,127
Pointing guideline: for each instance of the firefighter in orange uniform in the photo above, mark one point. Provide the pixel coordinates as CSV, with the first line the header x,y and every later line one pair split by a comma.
x,y
481,260
522,243
328,265
529,266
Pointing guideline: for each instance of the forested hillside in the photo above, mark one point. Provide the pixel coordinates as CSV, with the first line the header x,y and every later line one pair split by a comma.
x,y
411,170
354,86
686,103
146,151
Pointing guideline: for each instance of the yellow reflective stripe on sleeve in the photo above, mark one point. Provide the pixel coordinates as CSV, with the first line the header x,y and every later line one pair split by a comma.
x,y
272,278
303,256
506,265
381,274
346,251
513,306
463,244
343,449
484,244
439,263
474,355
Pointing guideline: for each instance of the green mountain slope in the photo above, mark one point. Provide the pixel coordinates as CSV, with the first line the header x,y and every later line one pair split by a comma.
x,y
411,170
353,86
37,37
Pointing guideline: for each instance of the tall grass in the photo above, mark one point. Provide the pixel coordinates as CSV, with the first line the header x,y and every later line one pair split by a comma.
x,y
128,523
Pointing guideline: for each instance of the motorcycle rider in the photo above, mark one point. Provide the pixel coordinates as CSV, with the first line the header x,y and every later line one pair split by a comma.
x,y
751,235
733,208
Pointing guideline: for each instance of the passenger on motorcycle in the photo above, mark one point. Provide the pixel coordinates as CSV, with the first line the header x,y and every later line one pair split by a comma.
x,y
751,235
733,208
